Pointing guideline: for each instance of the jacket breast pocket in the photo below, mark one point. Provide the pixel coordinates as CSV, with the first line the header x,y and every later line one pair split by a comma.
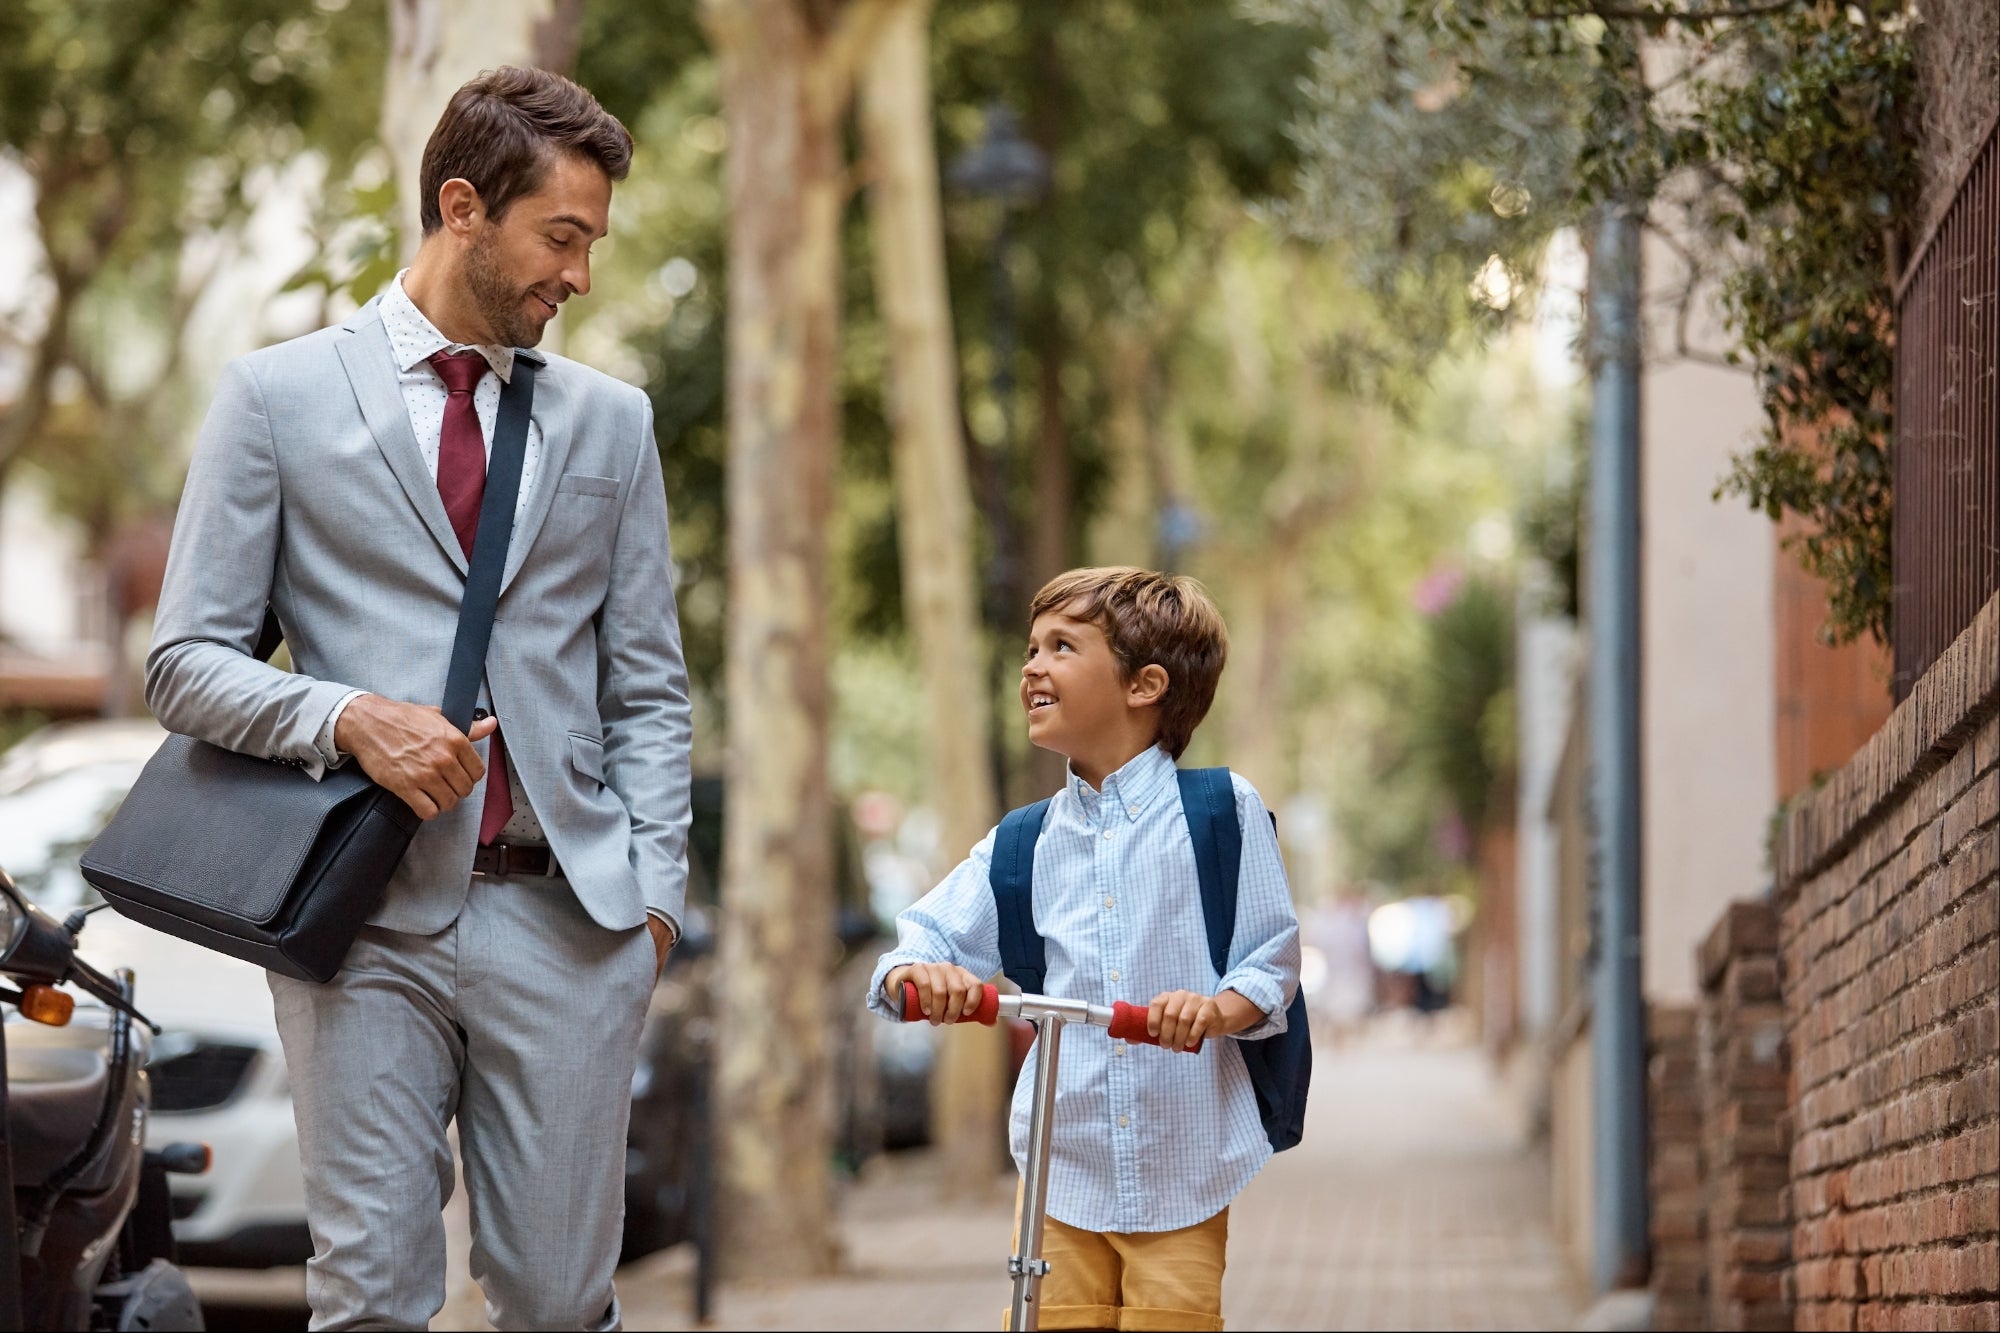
x,y
582,483
587,756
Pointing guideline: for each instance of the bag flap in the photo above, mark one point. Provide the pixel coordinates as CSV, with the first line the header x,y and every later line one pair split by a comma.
x,y
221,830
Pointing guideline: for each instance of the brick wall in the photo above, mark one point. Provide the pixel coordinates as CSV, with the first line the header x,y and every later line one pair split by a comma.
x,y
1888,896
1745,1138
1674,1167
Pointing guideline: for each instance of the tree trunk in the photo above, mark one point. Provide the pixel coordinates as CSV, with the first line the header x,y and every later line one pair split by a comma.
x,y
786,73
1125,532
933,524
1268,591
1049,543
435,46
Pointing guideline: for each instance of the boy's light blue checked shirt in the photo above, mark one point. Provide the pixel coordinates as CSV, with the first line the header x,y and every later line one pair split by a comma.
x,y
1144,1139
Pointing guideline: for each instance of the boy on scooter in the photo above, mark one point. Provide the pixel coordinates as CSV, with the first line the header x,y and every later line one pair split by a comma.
x,y
1150,1145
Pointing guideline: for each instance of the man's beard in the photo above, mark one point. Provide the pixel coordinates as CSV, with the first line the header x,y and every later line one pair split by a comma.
x,y
500,304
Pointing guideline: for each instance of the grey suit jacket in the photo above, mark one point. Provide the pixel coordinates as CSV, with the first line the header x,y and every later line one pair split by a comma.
x,y
307,490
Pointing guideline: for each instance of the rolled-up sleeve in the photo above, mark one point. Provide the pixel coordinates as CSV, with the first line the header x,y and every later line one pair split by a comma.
x,y
956,922
1264,951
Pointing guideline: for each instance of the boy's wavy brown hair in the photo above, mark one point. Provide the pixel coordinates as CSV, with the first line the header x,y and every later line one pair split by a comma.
x,y
1150,619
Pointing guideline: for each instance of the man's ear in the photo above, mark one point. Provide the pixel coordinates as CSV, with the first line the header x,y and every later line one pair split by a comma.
x,y
1148,686
459,206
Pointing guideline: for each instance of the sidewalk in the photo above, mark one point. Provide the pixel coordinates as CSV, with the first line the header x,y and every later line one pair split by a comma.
x,y
1411,1204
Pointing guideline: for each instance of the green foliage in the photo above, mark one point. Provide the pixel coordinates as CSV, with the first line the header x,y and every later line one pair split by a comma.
x,y
1148,113
1786,131
1463,706
1551,522
147,127
1431,150
1815,140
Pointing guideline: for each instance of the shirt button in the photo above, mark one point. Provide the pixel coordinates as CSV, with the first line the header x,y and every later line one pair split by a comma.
x,y
1110,901
1132,810
1114,974
1107,833
1121,1048
1124,1121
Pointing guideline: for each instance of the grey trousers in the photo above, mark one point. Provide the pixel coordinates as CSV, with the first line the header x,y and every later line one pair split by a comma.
x,y
522,1020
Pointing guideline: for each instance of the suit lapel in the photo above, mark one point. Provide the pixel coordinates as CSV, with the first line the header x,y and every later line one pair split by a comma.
x,y
371,369
552,413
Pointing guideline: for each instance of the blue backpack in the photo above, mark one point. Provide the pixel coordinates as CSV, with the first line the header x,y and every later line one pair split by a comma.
x,y
1280,1067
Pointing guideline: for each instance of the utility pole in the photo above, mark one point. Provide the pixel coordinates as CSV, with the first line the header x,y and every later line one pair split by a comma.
x,y
1617,1024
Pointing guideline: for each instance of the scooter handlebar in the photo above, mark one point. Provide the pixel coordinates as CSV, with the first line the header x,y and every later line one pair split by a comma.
x,y
987,1011
1128,1021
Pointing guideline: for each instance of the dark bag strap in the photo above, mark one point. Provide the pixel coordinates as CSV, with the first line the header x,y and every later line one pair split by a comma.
x,y
1023,957
489,546
488,560
1208,798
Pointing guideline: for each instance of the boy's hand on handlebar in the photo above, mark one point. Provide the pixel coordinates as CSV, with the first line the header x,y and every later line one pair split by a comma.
x,y
944,990
1182,1019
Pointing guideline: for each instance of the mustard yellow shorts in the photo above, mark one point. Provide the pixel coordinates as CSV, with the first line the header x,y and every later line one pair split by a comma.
x,y
1140,1280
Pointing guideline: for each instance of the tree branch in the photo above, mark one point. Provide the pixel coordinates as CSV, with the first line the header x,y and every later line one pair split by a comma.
x,y
1620,12
23,420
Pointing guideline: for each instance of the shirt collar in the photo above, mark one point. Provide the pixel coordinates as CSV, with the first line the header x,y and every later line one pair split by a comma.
x,y
415,339
1132,787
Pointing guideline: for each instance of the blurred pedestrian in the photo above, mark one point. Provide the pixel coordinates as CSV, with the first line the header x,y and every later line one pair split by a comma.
x,y
1346,995
339,480
1149,1145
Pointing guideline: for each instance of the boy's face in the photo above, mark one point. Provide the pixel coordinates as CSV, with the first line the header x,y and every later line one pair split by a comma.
x,y
1076,697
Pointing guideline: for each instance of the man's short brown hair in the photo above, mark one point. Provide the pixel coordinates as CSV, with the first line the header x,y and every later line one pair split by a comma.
x,y
1150,619
500,130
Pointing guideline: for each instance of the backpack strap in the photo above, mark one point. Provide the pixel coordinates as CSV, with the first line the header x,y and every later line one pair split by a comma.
x,y
1208,799
1022,955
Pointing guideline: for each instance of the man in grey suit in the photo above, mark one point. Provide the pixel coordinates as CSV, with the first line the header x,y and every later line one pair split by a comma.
x,y
505,979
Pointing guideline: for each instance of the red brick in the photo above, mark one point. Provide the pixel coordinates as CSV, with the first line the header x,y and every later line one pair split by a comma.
x,y
1979,1317
1758,1249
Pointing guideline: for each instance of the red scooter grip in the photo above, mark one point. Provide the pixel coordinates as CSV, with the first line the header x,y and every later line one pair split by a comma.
x,y
1128,1023
987,1012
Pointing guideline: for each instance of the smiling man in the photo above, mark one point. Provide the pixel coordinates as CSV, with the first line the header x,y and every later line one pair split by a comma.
x,y
503,983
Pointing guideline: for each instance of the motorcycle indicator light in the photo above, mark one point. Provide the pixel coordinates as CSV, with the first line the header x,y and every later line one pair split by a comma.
x,y
182,1159
46,1004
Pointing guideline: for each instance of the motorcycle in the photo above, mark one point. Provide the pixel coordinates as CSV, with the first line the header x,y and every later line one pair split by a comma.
x,y
86,1238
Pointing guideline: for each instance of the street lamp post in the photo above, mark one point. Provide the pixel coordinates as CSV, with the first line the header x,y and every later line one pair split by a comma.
x,y
1006,168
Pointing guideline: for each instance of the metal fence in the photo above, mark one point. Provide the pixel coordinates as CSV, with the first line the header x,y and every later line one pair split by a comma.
x,y
1945,538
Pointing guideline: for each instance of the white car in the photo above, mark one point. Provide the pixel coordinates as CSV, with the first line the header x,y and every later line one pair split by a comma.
x,y
217,1072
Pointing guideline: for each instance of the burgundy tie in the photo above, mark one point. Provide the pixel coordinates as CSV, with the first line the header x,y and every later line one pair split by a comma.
x,y
461,481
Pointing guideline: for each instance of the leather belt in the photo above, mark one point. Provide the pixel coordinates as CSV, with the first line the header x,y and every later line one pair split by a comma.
x,y
498,860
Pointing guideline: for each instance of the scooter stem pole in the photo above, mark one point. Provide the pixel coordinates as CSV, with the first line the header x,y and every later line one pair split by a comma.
x,y
1027,1266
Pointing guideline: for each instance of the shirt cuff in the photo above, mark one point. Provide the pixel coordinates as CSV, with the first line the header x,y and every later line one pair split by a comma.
x,y
330,755
887,963
673,926
1264,991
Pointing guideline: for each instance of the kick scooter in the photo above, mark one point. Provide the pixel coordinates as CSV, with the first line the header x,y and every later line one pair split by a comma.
x,y
1125,1022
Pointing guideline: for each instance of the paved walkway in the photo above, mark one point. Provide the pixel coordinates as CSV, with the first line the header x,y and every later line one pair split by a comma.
x,y
1410,1205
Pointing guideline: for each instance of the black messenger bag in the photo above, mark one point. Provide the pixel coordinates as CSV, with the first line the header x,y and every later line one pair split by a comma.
x,y
252,857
